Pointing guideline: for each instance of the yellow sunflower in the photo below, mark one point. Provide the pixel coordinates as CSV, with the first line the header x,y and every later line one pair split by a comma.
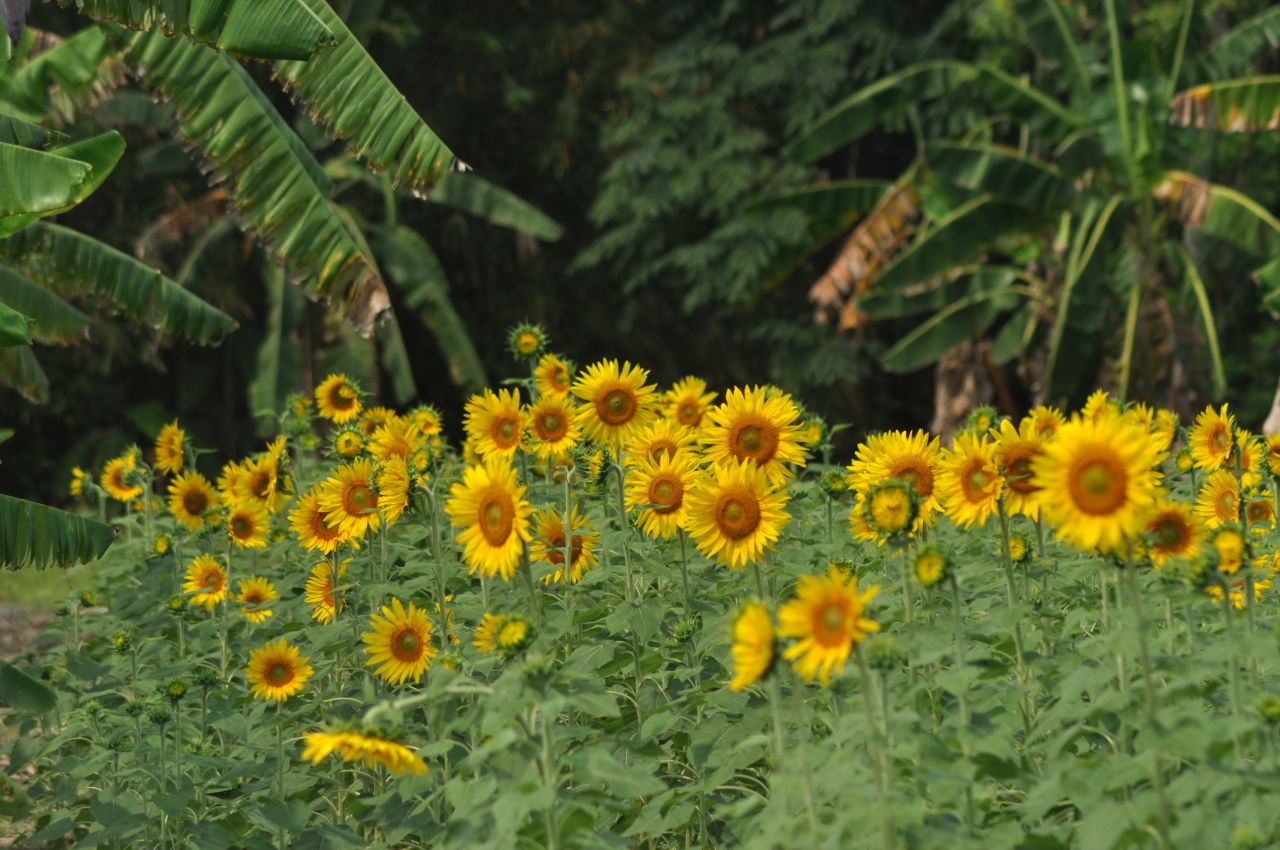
x,y
1172,531
374,418
1259,511
338,399
256,593
664,436
308,522
349,500
1248,455
549,544
1237,592
397,437
753,646
1015,448
1273,454
248,525
1210,438
229,481
277,671
428,420
827,617
657,488
170,448
910,457
191,499
1229,544
206,582
78,477
687,402
969,483
260,478
1099,406
552,376
347,442
618,402
1165,430
1098,478
1045,421
1219,499
120,477
399,643
735,512
490,508
501,634
886,513
495,422
753,425
324,591
553,426
393,488
931,565
358,747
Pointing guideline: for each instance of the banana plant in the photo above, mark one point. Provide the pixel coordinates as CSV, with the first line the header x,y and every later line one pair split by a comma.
x,y
1065,210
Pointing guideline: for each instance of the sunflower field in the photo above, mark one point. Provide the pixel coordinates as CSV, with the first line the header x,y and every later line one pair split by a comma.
x,y
623,617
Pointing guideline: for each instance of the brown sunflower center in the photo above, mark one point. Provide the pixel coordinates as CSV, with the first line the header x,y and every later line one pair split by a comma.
x,y
830,624
496,516
195,502
211,581
617,406
1227,504
555,547
667,492
406,645
1219,440
342,397
242,527
279,674
551,426
661,446
689,414
1169,533
754,438
1258,511
359,498
1098,483
260,483
916,472
737,515
506,431
976,482
253,597
1017,464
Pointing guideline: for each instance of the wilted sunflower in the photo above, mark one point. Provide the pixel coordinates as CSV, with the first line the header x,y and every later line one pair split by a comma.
x,y
1210,438
657,488
753,646
206,582
827,617
248,525
495,422
397,437
552,376
399,643
663,437
1229,544
171,448
617,402
307,520
549,544
909,457
970,484
751,424
277,671
1015,448
256,593
1098,478
553,429
687,402
1045,421
191,499
490,508
358,747
338,399
349,500
120,477
1219,499
1172,531
735,512
501,634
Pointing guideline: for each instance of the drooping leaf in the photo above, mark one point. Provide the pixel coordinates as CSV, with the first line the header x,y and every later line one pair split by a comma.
x,y
1221,212
67,262
34,535
20,691
1002,173
344,89
472,194
20,371
1235,106
55,321
1232,51
15,328
260,29
43,183
274,182
1216,370
957,322
14,131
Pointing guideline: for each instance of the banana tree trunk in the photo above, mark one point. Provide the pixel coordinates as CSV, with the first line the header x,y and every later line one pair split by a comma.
x,y
1272,425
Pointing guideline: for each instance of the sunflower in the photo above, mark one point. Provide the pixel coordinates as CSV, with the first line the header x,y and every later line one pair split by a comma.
x,y
981,419
687,402
1045,421
931,565
618,402
969,483
1098,478
1015,448
170,445
1228,543
1184,461
228,481
552,376
428,420
735,512
347,442
324,591
1210,438
255,594
526,341
1099,406
192,499
553,426
1165,430
338,399
909,457
663,437
1273,454
349,500
1019,548
1259,511
399,643
78,477
120,477
248,525
827,617
495,422
277,671
754,425
397,437
393,488
549,545
259,480
307,520
490,508
1237,592
657,488
886,513
1219,499
358,747
1248,456
206,582
1172,531
374,418
753,646
501,634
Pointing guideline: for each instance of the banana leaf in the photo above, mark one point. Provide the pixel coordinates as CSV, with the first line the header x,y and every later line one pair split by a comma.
x,y
1232,51
54,320
1236,106
1002,173
33,535
15,328
44,183
20,371
477,196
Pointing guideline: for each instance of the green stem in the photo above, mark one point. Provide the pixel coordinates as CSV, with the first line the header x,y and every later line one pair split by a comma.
x,y
684,572
535,607
437,549
1152,707
877,755
962,663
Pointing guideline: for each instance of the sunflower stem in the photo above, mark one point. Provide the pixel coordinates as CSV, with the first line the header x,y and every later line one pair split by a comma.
x,y
811,808
1012,591
280,766
1152,701
624,525
535,607
877,754
962,664
684,572
437,550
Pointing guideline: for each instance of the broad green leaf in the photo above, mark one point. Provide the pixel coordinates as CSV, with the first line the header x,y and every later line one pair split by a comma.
x,y
345,90
67,262
34,535
1269,276
15,328
20,371
959,321
276,185
839,199
1222,212
17,689
55,321
1015,335
41,183
1235,106
1232,51
259,29
1002,173
279,364
14,131
934,295
1052,36
1217,372
477,196
77,67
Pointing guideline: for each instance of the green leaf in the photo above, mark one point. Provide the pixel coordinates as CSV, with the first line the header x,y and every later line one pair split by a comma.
x,y
14,131
1236,48
1002,173
80,68
1222,212
277,186
477,196
44,183
33,535
20,371
15,328
345,90
1235,106
959,321
843,199
598,767
1051,35
260,29
1217,372
56,321
20,691
67,262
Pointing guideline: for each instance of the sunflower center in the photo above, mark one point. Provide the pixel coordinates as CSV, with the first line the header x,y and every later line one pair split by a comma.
x,y
754,438
689,414
976,482
1219,440
496,516
1098,483
830,625
1018,464
241,526
195,502
555,547
1226,503
916,473
279,674
212,581
662,446
737,515
527,343
1258,512
342,397
406,645
259,483
552,427
253,597
559,378
617,406
1169,532
667,492
359,499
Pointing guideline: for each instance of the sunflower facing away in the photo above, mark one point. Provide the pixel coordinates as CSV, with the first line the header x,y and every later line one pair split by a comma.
x,y
735,512
552,376
753,646
490,508
752,424
191,499
255,595
617,402
399,643
358,747
553,427
1219,499
206,582
549,544
1210,438
338,399
495,422
970,484
501,634
1171,530
247,525
1015,448
307,520
170,448
687,402
827,617
658,488
324,591
911,457
277,671
1098,479
120,477
349,500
